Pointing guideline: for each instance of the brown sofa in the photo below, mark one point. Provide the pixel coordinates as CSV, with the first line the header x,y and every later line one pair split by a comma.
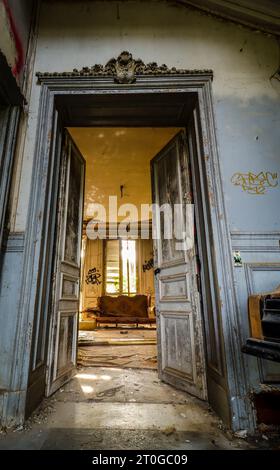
x,y
124,309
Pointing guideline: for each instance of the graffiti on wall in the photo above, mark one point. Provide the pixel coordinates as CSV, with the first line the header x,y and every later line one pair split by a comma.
x,y
255,183
148,265
19,60
93,277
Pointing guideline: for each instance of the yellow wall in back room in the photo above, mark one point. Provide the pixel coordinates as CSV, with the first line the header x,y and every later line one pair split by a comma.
x,y
119,156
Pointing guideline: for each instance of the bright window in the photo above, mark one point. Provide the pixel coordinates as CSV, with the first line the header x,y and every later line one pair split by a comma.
x,y
120,267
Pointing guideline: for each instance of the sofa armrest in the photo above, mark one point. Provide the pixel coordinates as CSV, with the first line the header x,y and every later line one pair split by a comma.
x,y
91,312
152,312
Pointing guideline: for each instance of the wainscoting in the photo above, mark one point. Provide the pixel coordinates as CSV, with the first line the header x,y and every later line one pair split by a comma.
x,y
10,282
259,272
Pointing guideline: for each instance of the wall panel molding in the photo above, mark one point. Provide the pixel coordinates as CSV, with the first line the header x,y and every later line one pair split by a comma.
x,y
258,276
250,274
256,241
14,242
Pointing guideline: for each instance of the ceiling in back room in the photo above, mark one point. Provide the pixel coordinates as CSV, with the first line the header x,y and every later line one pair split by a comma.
x,y
116,157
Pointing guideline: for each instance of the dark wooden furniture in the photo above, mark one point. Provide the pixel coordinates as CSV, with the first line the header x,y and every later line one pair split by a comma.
x,y
264,317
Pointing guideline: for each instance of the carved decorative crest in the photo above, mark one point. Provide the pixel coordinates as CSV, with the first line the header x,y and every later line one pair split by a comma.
x,y
124,69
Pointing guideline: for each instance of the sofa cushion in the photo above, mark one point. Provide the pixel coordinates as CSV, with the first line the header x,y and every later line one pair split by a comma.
x,y
123,305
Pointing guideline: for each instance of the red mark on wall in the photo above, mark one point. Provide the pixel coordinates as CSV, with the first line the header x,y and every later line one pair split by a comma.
x,y
20,55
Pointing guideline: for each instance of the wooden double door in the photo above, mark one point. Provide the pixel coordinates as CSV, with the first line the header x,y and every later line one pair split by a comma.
x,y
180,335
187,324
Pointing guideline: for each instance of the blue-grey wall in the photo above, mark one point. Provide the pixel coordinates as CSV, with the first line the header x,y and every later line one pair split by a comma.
x,y
248,136
246,104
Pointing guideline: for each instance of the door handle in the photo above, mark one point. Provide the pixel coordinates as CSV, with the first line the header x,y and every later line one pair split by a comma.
x,y
157,271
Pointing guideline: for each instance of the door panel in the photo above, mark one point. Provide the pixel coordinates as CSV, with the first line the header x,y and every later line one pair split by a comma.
x,y
66,277
215,355
180,336
9,118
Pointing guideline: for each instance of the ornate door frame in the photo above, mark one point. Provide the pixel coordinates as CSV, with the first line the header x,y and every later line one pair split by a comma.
x,y
125,75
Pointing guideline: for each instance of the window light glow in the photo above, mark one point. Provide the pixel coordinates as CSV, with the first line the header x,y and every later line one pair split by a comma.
x,y
87,388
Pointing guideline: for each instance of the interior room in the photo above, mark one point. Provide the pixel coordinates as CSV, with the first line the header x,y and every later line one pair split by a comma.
x,y
117,320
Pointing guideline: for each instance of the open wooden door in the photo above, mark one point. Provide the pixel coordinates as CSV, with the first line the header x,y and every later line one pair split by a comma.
x,y
66,271
181,359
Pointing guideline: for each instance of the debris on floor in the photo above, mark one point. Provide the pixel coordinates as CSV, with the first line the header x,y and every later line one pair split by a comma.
x,y
105,347
169,430
112,408
242,434
136,357
110,392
